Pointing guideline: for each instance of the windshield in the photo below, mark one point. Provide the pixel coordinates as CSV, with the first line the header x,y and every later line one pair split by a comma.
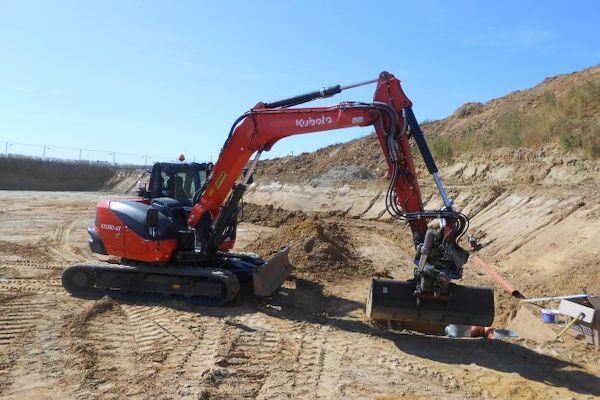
x,y
177,182
178,185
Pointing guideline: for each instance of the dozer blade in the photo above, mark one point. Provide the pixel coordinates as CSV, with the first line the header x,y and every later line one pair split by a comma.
x,y
393,300
270,275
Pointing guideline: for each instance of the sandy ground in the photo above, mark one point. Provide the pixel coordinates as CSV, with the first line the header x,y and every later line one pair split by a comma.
x,y
310,340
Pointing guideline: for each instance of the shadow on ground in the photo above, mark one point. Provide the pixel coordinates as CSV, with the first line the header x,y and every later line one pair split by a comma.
x,y
307,303
502,356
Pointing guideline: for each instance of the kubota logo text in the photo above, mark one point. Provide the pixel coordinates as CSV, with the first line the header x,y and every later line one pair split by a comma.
x,y
306,122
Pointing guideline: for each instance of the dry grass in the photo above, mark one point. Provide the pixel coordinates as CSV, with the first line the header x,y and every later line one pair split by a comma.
x,y
570,119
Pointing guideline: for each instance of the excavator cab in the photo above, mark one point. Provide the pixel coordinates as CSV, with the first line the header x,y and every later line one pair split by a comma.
x,y
179,181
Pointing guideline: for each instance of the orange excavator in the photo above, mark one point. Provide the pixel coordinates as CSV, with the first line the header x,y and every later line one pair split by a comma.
x,y
168,250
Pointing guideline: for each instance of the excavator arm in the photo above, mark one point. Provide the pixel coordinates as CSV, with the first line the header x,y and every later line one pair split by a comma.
x,y
260,128
439,259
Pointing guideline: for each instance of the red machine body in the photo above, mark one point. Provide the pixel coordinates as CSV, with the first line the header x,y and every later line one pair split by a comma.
x,y
122,241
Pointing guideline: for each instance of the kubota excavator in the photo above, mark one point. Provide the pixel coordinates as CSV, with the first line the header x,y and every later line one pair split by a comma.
x,y
166,251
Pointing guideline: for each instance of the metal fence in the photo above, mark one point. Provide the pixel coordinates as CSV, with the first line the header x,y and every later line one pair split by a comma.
x,y
80,154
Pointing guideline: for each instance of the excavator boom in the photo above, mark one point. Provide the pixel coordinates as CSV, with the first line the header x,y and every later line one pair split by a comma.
x,y
260,128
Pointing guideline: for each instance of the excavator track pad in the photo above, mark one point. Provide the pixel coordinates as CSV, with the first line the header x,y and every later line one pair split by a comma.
x,y
270,275
393,300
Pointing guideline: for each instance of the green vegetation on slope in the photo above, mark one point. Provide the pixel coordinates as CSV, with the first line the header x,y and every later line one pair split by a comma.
x,y
571,119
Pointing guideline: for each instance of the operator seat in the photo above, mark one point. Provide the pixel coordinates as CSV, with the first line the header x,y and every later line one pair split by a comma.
x,y
171,208
177,190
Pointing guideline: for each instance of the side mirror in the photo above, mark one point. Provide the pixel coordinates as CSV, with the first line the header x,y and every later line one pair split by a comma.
x,y
152,218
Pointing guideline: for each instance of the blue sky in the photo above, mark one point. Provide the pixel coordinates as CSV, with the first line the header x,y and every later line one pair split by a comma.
x,y
165,77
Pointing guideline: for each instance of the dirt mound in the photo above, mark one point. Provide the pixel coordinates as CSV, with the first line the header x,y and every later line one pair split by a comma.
x,y
579,89
468,109
125,180
38,251
362,154
22,173
269,215
35,174
343,173
76,324
319,250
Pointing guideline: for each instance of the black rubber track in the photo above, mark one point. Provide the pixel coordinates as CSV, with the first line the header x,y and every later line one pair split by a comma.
x,y
93,281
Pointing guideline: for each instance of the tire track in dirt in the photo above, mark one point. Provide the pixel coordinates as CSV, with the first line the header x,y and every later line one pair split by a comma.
x,y
154,329
374,365
274,355
19,315
103,352
179,347
35,265
250,359
48,286
243,376
63,249
199,357
317,363
308,364
112,349
51,253
334,349
30,269
182,348
28,346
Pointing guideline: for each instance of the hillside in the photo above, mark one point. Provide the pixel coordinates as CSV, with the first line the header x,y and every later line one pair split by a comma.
x,y
555,120
564,109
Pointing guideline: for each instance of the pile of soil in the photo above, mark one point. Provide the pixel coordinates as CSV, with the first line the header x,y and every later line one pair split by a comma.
x,y
269,215
344,173
319,250
76,324
20,173
361,156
